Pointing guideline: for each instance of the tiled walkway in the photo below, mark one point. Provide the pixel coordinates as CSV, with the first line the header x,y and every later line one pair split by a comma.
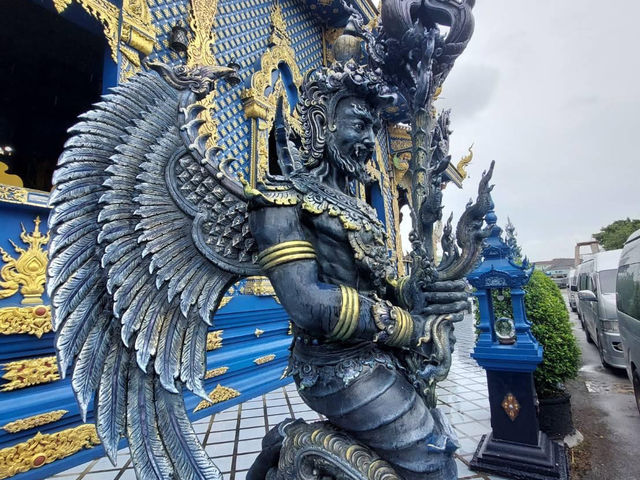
x,y
233,437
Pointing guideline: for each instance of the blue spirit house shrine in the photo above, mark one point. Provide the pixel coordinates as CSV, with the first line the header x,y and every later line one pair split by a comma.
x,y
509,353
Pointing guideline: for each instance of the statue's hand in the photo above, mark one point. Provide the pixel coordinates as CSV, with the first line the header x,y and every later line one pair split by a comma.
x,y
447,297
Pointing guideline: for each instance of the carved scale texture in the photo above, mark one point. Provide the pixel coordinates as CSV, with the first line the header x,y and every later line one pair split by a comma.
x,y
132,292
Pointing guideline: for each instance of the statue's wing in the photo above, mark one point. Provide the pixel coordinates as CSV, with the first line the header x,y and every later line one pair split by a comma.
x,y
147,234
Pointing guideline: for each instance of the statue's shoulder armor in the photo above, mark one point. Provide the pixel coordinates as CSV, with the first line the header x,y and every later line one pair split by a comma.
x,y
317,198
272,192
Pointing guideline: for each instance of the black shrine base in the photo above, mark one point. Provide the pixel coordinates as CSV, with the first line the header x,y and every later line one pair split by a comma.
x,y
545,461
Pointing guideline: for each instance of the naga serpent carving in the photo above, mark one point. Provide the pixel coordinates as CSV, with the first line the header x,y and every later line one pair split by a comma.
x,y
149,229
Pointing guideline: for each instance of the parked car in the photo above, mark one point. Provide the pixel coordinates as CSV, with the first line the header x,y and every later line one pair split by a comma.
x,y
628,302
572,280
597,305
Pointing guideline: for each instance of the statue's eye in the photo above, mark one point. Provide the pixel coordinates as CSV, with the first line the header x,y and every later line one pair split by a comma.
x,y
359,125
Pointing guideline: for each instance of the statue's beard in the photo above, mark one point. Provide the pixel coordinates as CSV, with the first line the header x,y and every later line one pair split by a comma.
x,y
352,166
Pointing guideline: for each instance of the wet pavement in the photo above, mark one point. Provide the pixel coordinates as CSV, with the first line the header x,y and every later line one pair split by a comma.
x,y
605,412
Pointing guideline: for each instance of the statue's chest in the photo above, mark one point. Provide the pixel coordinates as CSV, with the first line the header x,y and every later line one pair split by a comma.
x,y
343,223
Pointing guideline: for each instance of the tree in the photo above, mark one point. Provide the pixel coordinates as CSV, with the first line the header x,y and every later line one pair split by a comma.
x,y
615,234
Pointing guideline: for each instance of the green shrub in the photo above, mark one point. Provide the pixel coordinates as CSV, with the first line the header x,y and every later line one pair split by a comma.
x,y
550,325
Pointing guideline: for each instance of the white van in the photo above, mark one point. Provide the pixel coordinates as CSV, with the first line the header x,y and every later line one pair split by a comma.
x,y
597,305
628,297
572,280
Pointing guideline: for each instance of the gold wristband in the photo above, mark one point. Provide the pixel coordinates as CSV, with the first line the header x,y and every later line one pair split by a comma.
x,y
349,314
403,329
286,252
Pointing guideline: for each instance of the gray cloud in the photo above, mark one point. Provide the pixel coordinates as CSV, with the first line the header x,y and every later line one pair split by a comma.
x,y
549,90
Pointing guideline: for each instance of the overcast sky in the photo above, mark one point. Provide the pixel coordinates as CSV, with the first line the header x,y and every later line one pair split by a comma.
x,y
550,89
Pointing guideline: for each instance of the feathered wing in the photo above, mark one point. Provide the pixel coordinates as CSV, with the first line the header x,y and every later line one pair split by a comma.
x,y
147,234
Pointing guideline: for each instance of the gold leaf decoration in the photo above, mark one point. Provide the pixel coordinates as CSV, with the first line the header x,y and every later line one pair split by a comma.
x,y
214,340
26,273
28,320
34,421
260,286
215,372
202,15
464,161
218,395
258,332
264,359
43,449
13,194
511,406
29,372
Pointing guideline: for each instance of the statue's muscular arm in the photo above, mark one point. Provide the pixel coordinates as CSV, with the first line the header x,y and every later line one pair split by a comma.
x,y
311,304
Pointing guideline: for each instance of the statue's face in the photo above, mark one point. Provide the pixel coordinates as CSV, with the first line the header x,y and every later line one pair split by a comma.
x,y
351,143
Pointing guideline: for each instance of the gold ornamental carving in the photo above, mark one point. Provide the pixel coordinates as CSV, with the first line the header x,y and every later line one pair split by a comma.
x,y
214,340
12,194
511,406
265,359
258,332
29,372
260,286
43,449
202,15
26,273
464,161
218,395
215,372
27,320
34,421
261,108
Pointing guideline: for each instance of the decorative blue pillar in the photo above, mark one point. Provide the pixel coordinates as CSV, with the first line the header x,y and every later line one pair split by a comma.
x,y
509,353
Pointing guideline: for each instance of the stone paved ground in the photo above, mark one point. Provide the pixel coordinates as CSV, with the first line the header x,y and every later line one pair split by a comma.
x,y
233,437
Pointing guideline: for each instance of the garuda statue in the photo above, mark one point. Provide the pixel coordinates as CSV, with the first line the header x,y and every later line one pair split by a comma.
x,y
149,229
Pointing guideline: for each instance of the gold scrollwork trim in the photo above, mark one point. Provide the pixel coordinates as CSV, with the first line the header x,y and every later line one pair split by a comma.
x,y
34,421
265,359
218,395
43,449
27,320
29,372
26,273
12,194
214,340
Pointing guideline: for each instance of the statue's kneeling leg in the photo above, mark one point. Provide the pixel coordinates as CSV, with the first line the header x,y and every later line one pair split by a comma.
x,y
381,409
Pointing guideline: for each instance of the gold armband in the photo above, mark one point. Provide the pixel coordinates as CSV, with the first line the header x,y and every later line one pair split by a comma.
x,y
349,314
403,328
286,252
